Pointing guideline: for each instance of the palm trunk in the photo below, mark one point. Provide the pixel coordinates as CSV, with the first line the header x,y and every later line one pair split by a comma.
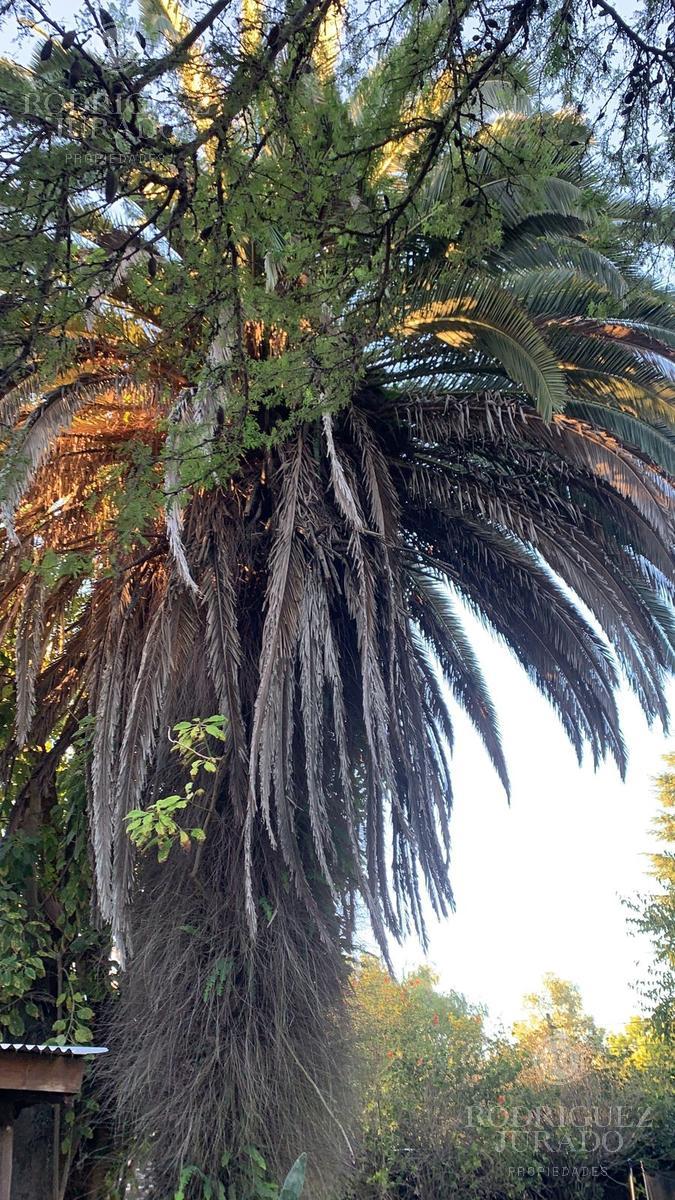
x,y
224,1048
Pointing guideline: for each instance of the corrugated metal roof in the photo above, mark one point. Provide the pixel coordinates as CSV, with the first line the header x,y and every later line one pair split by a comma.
x,y
27,1048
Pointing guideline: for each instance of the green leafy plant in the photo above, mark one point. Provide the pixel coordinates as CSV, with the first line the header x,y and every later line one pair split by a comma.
x,y
257,1186
295,1180
156,826
74,1026
210,1190
24,946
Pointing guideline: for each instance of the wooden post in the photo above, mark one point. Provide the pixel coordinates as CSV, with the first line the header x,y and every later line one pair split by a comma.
x,y
56,1154
631,1182
6,1151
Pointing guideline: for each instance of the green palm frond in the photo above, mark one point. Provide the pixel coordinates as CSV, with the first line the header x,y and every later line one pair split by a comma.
x,y
654,311
642,338
553,198
559,291
536,257
590,346
476,313
162,19
439,620
656,442
545,225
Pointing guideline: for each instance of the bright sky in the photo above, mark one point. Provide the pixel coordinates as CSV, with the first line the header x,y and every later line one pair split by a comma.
x,y
538,885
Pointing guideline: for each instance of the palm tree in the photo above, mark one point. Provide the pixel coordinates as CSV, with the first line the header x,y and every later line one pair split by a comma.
x,y
501,440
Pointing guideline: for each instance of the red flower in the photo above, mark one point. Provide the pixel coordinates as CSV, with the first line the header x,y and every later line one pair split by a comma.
x,y
436,1018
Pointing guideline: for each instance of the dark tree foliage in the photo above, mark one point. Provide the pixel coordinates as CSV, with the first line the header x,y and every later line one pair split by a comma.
x,y
655,915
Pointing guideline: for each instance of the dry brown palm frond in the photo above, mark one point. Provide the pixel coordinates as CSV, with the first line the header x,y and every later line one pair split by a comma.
x,y
270,726
344,494
223,643
35,438
137,747
107,691
28,653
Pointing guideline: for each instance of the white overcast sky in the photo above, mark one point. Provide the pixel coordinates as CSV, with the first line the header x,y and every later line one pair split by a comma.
x,y
538,884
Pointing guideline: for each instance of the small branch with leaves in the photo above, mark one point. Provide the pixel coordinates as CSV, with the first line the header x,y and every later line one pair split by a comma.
x,y
156,827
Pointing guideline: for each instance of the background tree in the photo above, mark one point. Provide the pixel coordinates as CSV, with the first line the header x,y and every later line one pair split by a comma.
x,y
646,1049
557,1035
435,1093
646,1062
655,916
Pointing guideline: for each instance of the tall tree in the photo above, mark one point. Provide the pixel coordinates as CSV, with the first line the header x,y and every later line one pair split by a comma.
x,y
655,915
298,359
